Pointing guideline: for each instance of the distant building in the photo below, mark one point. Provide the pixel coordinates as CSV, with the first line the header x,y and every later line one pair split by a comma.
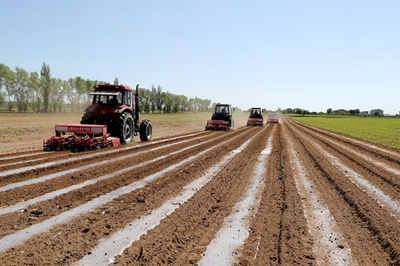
x,y
364,113
373,111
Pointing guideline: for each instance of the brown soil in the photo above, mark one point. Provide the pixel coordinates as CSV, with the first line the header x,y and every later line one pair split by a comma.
x,y
283,230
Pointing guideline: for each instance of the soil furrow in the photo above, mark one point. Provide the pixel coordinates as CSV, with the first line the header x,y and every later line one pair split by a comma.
x,y
202,216
374,150
368,168
61,203
380,224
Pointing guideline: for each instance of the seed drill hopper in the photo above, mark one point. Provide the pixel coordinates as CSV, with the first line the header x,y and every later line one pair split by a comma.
x,y
77,137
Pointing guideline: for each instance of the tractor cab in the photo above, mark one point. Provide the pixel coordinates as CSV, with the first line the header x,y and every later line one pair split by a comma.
x,y
222,112
115,95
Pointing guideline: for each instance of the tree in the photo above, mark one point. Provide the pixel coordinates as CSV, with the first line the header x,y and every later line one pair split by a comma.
x,y
80,86
203,105
7,82
168,102
144,100
57,95
72,94
153,98
22,92
2,97
184,103
66,88
34,87
88,89
354,111
329,111
45,77
159,98
298,111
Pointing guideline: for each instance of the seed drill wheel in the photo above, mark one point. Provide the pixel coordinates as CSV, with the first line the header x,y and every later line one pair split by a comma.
x,y
125,128
146,130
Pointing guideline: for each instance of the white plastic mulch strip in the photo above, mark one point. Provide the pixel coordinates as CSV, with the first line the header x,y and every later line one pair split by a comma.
x,y
330,247
78,157
106,251
371,161
224,249
53,194
21,236
372,191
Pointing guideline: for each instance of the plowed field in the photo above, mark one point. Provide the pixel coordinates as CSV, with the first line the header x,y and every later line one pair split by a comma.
x,y
281,194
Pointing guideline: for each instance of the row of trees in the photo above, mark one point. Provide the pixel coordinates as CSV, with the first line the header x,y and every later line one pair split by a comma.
x,y
40,92
329,111
299,111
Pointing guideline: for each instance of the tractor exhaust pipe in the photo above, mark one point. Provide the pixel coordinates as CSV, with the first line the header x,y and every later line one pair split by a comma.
x,y
137,110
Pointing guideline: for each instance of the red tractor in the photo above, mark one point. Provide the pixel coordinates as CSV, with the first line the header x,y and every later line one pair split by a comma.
x,y
256,117
111,119
117,107
222,118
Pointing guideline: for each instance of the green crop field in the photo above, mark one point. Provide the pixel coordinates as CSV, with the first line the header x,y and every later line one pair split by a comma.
x,y
381,130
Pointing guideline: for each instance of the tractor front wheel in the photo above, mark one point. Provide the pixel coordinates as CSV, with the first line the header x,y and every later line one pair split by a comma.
x,y
126,128
146,130
87,118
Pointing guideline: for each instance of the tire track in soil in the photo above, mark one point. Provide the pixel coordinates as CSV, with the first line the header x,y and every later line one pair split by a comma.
x,y
279,233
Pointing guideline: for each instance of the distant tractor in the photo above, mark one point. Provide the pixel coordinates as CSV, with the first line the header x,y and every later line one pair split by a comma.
x,y
222,118
256,117
272,117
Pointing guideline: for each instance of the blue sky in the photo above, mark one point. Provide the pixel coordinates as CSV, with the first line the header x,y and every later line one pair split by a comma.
x,y
312,55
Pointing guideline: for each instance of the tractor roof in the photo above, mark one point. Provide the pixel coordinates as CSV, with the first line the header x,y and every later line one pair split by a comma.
x,y
112,87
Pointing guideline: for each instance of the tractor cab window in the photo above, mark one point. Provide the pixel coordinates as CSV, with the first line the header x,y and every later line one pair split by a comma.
x,y
127,98
222,109
255,113
115,99
99,99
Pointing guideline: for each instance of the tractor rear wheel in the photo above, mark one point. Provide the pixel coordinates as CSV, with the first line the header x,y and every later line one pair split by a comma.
x,y
146,130
125,128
